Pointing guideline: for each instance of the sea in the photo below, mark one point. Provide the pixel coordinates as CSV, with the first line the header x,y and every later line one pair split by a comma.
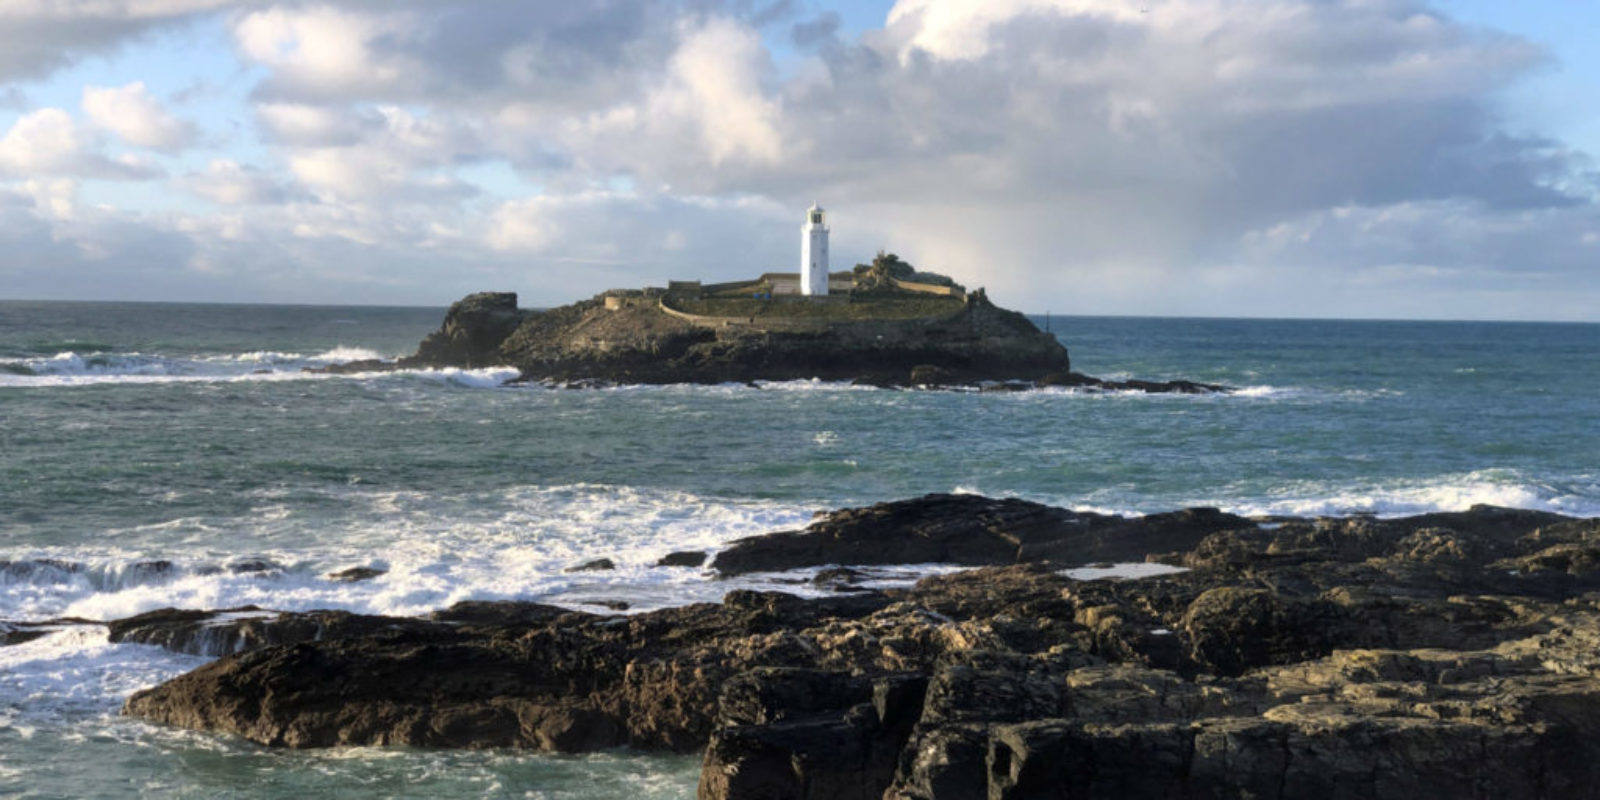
x,y
190,434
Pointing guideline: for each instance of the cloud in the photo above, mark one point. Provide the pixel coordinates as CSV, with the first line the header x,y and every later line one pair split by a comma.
x,y
617,227
298,124
42,36
402,158
133,114
230,183
1206,156
49,142
325,51
621,238
716,82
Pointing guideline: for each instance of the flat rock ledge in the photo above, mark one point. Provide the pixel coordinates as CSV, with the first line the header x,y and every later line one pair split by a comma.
x,y
1438,656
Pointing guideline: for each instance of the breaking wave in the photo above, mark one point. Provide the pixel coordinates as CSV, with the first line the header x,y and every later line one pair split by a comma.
x,y
1406,497
72,368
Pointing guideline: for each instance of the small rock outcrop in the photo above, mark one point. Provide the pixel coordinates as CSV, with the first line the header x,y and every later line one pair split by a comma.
x,y
683,558
356,574
972,530
1078,380
473,330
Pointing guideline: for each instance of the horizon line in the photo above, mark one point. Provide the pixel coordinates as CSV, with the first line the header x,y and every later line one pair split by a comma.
x,y
1050,314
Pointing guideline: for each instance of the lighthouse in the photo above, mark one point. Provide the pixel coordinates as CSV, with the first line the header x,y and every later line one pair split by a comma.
x,y
814,253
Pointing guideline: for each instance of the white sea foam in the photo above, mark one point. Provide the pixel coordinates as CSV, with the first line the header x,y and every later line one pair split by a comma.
x,y
1128,571
516,544
1420,496
340,355
78,670
485,378
437,551
72,369
257,357
1264,391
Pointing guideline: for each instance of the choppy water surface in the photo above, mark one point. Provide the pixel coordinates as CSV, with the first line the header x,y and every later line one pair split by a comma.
x,y
131,434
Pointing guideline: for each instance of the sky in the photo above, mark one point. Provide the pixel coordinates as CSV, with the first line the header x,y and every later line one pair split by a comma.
x,y
1419,159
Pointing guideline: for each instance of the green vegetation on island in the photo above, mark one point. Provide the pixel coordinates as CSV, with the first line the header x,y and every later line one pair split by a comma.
x,y
886,289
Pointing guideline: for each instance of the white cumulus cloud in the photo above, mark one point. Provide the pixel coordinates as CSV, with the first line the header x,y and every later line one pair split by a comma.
x,y
230,183
50,143
132,113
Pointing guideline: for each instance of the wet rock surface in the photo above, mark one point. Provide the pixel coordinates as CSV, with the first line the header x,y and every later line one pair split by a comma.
x,y
1445,655
683,558
972,530
236,630
356,574
1078,380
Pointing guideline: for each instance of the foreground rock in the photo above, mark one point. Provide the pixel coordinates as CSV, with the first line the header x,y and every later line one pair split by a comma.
x,y
1446,655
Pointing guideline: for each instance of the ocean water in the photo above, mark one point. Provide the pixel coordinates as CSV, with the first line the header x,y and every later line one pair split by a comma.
x,y
187,434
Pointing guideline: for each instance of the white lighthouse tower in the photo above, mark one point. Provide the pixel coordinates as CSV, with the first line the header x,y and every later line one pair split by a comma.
x,y
814,253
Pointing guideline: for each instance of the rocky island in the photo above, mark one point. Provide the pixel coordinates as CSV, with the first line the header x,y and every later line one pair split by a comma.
x,y
1442,655
882,324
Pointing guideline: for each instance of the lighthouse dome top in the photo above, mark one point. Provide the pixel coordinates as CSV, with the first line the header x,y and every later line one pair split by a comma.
x,y
814,214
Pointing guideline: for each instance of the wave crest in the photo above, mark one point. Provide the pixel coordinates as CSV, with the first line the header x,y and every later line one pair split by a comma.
x,y
73,368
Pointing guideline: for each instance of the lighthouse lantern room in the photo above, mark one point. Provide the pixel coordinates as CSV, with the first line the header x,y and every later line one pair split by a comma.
x,y
814,253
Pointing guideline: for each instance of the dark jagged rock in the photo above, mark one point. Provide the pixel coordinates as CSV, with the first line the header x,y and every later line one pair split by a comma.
x,y
1077,380
596,565
839,576
780,734
38,568
683,558
237,630
157,568
473,330
932,375
356,574
972,530
574,683
19,633
357,367
253,565
1342,658
14,632
502,613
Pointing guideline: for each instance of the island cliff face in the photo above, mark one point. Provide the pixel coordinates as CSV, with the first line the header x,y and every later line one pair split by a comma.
x,y
1440,656
638,337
